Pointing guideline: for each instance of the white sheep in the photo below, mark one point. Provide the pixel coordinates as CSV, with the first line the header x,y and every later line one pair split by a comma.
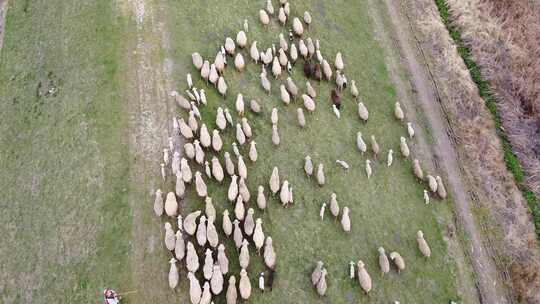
x,y
237,234
233,189
249,222
195,292
190,222
232,293
276,68
158,203
200,185
341,80
179,222
222,86
269,254
220,119
309,103
192,122
404,147
336,111
275,135
321,285
284,193
354,89
293,53
217,170
242,169
199,153
226,224
426,197
384,264
441,190
298,28
214,75
410,130
317,273
217,142
390,158
211,233
345,220
208,266
321,212
268,57
217,280
398,112
320,57
254,106
246,127
261,281
307,18
241,39
301,118
334,206
203,97
374,146
320,175
185,130
239,208
204,136
282,58
269,7
220,60
206,296
310,46
258,235
222,259
179,245
228,116
339,62
422,244
363,112
369,171
303,49
285,97
291,87
243,190
274,181
432,182
173,274
239,62
171,144
267,86
181,101
351,270
205,71
254,52
240,136
175,164
327,70
252,152
229,165
360,143
171,205
185,170
343,163
363,277
398,260
170,238
197,60
166,156
261,199
192,260
244,255
239,104
230,47
418,172
201,231
283,44
244,285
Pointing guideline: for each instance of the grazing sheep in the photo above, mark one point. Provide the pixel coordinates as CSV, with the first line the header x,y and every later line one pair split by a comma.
x,y
163,174
307,18
232,294
390,158
303,49
222,259
310,46
341,80
293,53
351,270
261,199
290,195
205,71
284,193
179,245
240,136
217,170
173,274
321,285
267,86
195,292
345,220
404,147
242,169
374,146
233,189
432,183
441,190
418,172
360,143
208,266
369,171
336,100
211,233
214,75
291,87
219,61
283,43
158,203
201,231
192,260
185,130
274,116
317,71
334,206
230,47
244,255
339,62
181,101
217,143
239,62
275,135
285,97
252,152
398,260
244,285
298,28
222,86
239,104
217,280
344,164
320,175
237,234
354,89
263,17
200,185
258,235
254,52
243,190
363,277
203,97
235,149
246,127
282,58
228,116
206,297
229,165
220,119
171,205
254,106
190,222
170,238
269,56
410,130
205,138
274,181
422,244
327,70
276,68
301,118
269,7
180,187
309,103
261,282
426,197
239,208
249,222
241,39
398,112
192,122
226,225
321,212
189,150
281,16
269,254
197,60
384,264
185,170
199,153
317,273
363,112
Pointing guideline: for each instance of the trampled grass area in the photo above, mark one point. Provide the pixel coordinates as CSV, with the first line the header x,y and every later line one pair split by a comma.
x,y
386,210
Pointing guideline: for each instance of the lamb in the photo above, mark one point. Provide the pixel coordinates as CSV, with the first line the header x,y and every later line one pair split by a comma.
x,y
244,255
441,190
432,183
336,111
363,277
339,62
241,39
240,136
363,112
321,212
320,175
275,136
384,264
261,282
208,266
179,246
211,233
171,206
163,174
222,259
317,273
200,185
203,97
199,153
237,234
285,97
229,165
344,164
293,53
301,118
239,209
217,170
390,158
298,28
233,189
417,169
422,244
192,122
351,270
309,104
321,285
189,150
252,152
239,62
220,119
222,86
354,89
197,60
410,130
303,49
214,75
246,127
195,292
205,71
173,274
398,112
249,222
345,221
185,170
327,70
206,297
192,260
291,87
281,16
258,235
398,260
230,47
274,181
374,146
254,52
269,254
426,197
158,203
404,147
231,291
267,86
276,68
201,231
336,100
166,156
307,18
242,169
254,106
170,239
189,222
360,143
228,116
369,171
243,190
334,206
185,130
244,285
226,225
284,193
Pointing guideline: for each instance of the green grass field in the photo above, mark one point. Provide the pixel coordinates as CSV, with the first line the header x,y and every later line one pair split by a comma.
x,y
66,168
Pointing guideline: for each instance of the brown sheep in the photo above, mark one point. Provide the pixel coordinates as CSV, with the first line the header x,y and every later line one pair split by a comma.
x,y
317,72
336,99
308,69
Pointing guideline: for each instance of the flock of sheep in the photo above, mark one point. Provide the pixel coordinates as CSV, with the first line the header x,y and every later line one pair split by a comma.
x,y
246,230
